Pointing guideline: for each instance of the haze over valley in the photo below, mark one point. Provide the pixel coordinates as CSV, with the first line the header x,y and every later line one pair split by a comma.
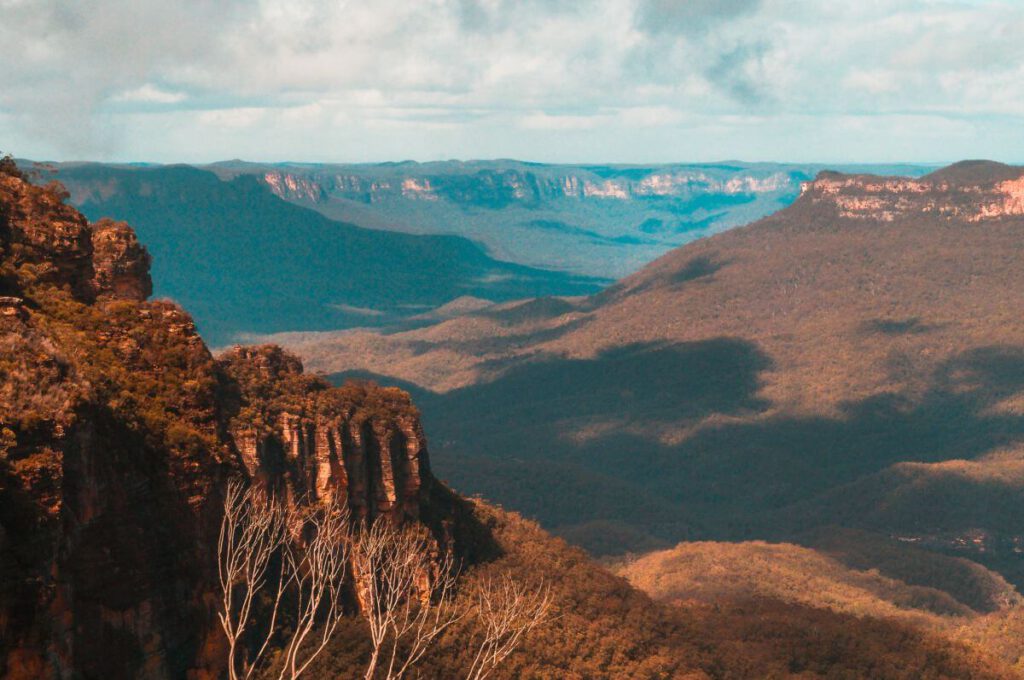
x,y
507,340
443,235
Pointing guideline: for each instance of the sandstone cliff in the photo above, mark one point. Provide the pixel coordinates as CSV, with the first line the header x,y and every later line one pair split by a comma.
x,y
364,444
118,430
970,191
499,187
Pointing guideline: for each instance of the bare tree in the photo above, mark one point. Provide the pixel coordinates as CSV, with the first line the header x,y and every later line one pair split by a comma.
x,y
405,589
506,610
312,544
317,570
253,529
406,595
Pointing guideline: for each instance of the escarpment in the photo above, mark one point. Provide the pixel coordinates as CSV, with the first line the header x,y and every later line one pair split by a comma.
x,y
118,432
361,443
496,187
971,191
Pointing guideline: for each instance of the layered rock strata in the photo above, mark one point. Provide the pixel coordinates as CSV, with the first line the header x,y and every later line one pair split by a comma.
x,y
118,432
997,193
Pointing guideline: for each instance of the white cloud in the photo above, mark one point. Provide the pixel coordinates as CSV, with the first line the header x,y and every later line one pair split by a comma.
x,y
543,121
544,79
872,82
149,93
240,117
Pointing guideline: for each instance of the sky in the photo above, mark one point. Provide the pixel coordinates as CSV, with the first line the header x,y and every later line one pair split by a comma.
x,y
628,81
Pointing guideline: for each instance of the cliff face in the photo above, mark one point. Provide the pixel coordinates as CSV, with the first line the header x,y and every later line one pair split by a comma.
x,y
496,188
990,191
362,444
118,430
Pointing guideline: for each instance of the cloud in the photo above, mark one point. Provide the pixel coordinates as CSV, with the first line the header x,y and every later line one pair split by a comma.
x,y
689,16
738,73
543,121
150,93
546,79
64,61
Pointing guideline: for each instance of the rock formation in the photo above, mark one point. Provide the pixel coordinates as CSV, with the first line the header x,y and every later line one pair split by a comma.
x,y
970,191
364,444
118,430
120,262
497,187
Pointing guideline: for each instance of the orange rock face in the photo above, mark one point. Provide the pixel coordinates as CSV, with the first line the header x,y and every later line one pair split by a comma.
x,y
118,432
120,263
359,442
985,196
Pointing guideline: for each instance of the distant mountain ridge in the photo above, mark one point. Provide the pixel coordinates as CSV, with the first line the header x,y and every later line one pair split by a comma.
x,y
595,220
246,262
855,360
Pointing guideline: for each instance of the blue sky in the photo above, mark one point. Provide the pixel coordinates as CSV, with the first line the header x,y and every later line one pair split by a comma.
x,y
545,80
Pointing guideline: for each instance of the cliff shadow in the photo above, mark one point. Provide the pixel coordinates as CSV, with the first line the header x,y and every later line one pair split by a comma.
x,y
730,474
638,382
698,268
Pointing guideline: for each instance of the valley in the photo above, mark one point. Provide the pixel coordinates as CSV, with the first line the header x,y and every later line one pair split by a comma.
x,y
512,340
256,249
121,432
850,361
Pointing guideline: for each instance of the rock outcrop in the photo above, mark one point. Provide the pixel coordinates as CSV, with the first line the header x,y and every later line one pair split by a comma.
x,y
46,239
120,262
118,432
51,243
361,443
970,191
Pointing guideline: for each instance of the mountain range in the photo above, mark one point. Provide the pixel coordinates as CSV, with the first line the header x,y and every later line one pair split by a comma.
x,y
851,361
119,431
253,249
591,220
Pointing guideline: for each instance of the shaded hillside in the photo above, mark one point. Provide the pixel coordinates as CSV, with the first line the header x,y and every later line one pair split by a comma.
x,y
855,359
118,430
710,572
595,220
244,261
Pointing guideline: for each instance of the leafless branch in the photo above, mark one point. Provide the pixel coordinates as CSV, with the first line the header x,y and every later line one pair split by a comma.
x,y
312,543
252,530
506,610
318,570
406,595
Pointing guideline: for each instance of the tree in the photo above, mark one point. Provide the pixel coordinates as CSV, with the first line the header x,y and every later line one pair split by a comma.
x,y
281,561
311,544
507,611
9,167
405,593
317,573
253,529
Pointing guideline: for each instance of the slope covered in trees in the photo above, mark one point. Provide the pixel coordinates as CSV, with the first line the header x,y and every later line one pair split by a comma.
x,y
244,261
120,431
852,360
604,628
